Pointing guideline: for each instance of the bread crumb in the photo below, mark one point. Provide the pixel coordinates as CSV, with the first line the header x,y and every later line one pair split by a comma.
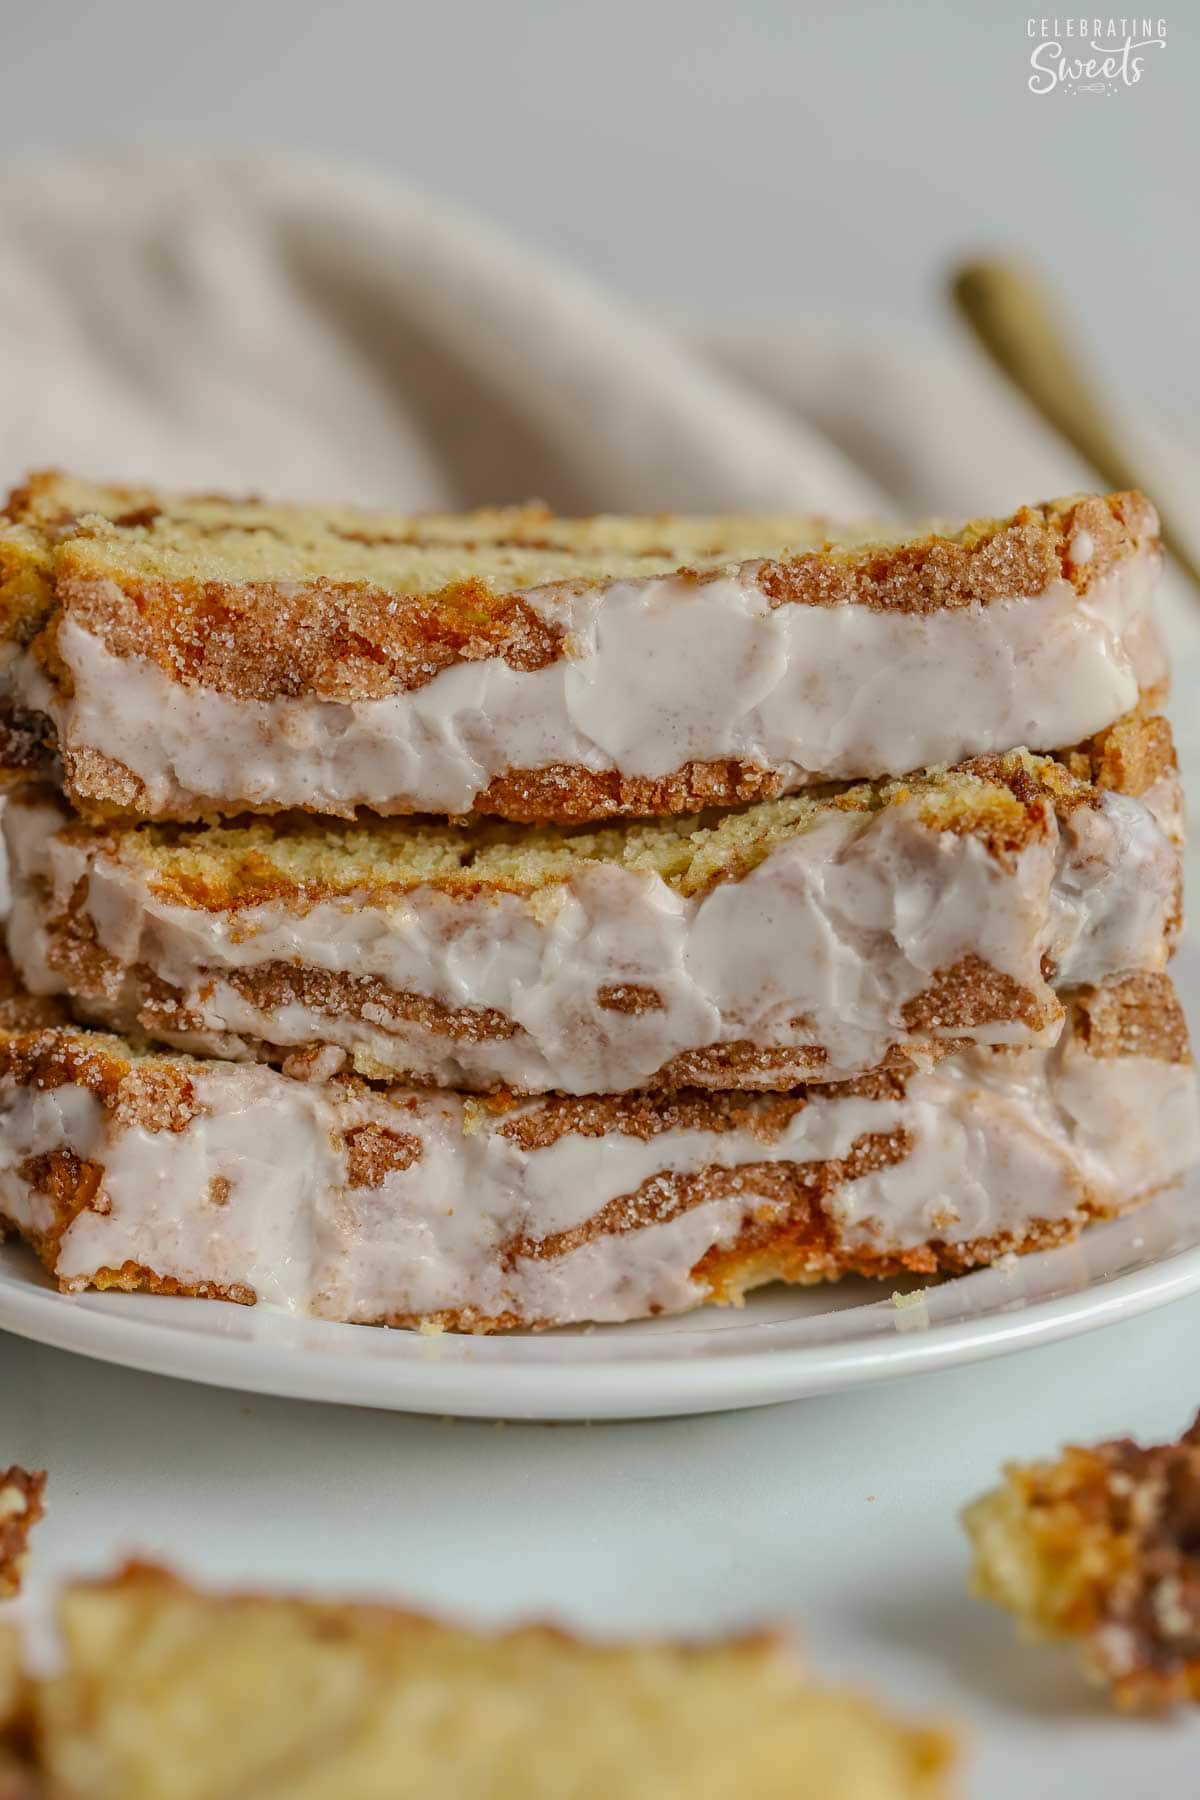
x,y
912,1311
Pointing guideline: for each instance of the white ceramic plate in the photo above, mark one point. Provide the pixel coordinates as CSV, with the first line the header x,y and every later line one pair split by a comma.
x,y
783,1345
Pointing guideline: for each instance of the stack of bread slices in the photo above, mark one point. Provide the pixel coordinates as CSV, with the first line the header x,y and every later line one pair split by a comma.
x,y
498,920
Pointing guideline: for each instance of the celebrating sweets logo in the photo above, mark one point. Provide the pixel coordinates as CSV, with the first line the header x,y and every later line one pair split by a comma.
x,y
1090,56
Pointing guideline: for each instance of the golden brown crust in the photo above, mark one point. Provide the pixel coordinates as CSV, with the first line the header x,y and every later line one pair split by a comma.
x,y
1000,560
805,1250
22,1504
55,1058
134,1277
335,641
155,1093
1134,756
568,794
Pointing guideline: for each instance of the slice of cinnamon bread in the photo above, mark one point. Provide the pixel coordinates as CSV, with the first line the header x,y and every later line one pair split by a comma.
x,y
399,1206
812,938
196,657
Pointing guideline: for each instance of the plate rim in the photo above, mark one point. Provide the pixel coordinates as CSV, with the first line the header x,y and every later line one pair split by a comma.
x,y
446,1375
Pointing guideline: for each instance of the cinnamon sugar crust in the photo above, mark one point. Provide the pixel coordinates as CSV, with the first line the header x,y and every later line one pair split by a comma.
x,y
22,1504
568,794
665,1196
373,1150
156,1093
339,995
972,993
647,1116
629,997
1102,1546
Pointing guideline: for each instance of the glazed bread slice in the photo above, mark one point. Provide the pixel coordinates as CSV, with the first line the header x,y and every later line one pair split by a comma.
x,y
812,938
1102,1546
408,1207
166,1693
196,657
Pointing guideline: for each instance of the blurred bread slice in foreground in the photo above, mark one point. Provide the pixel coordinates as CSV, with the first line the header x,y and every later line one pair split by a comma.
x,y
169,1694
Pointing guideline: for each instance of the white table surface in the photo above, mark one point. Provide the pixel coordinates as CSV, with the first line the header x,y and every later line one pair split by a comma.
x,y
837,1516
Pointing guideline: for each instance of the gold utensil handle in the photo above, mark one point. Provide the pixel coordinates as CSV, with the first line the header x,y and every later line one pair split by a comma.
x,y
1014,321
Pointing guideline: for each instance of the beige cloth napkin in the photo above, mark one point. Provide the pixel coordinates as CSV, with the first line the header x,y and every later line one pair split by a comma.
x,y
306,331
282,324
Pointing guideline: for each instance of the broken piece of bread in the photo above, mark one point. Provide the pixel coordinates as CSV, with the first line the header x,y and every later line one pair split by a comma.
x,y
1102,1546
21,1506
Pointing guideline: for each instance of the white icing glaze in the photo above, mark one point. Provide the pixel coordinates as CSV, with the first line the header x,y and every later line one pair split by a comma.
x,y
659,672
999,1140
823,943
